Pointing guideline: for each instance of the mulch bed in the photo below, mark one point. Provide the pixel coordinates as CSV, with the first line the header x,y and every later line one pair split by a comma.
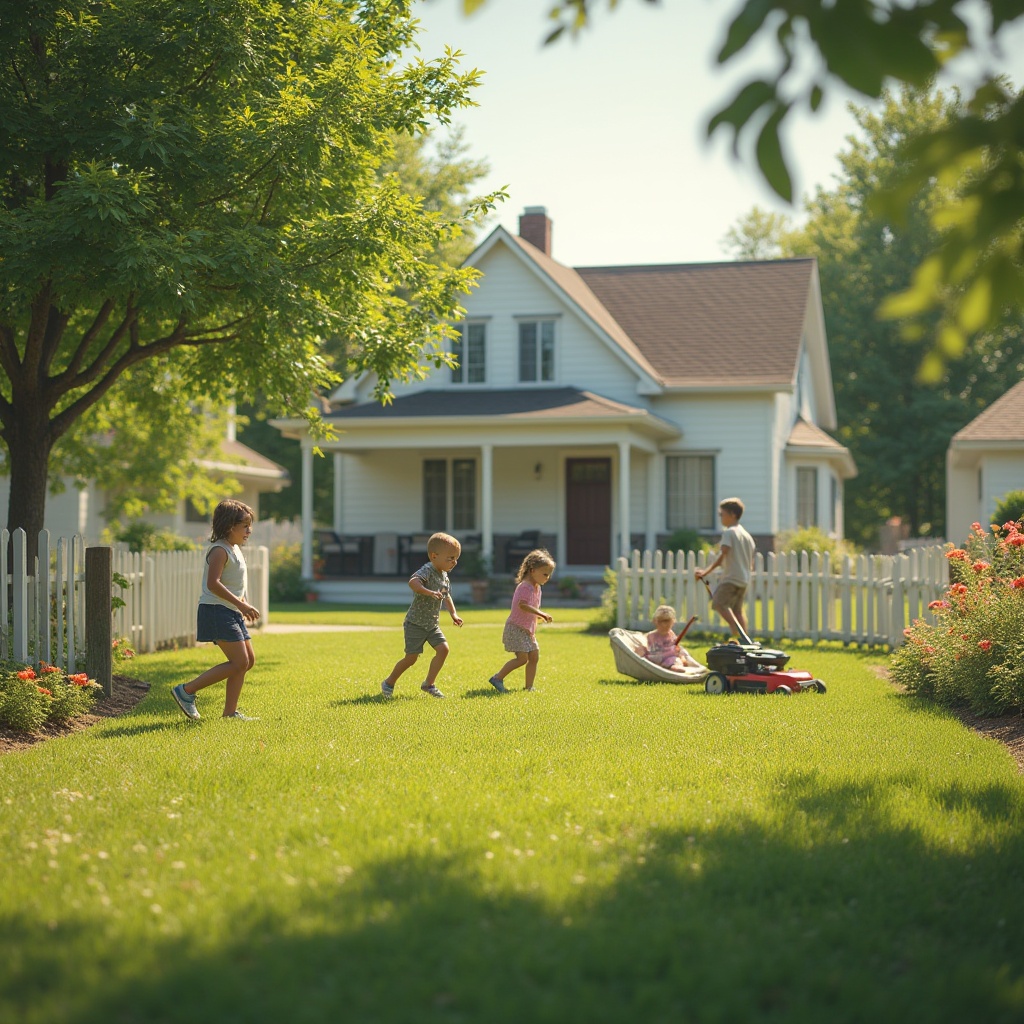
x,y
1008,729
126,694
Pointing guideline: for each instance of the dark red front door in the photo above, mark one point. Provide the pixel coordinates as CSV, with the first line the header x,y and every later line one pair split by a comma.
x,y
588,511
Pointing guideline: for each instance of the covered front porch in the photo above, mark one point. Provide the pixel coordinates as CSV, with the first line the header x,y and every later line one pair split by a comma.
x,y
560,469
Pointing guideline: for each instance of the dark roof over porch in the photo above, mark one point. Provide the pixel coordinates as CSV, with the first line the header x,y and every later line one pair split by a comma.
x,y
512,403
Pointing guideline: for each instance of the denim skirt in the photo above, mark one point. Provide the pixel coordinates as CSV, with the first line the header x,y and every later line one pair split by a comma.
x,y
218,622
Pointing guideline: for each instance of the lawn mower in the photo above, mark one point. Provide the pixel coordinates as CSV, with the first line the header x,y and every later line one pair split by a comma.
x,y
750,668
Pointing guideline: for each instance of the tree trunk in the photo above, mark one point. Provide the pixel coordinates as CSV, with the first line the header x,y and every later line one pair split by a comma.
x,y
28,445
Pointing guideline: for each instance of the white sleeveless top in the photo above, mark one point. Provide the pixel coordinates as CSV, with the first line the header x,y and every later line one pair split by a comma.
x,y
235,576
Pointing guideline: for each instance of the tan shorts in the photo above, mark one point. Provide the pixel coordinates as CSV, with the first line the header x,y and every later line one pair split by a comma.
x,y
729,595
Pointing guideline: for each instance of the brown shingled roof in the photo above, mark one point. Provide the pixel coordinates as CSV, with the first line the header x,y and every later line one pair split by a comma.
x,y
711,323
1003,420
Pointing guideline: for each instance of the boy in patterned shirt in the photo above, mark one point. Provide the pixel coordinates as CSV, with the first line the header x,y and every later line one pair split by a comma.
x,y
432,588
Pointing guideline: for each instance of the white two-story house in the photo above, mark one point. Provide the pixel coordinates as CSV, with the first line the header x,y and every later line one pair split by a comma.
x,y
596,410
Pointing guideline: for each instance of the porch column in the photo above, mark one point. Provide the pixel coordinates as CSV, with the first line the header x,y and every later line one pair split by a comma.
x,y
654,475
487,500
307,508
338,523
624,496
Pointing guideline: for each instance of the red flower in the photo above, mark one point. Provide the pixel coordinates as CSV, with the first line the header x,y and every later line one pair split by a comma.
x,y
936,605
1016,540
985,645
957,555
26,673
980,566
43,689
1018,583
47,669
958,588
79,679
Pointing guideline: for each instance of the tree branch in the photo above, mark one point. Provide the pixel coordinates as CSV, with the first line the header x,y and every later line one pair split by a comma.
x,y
176,339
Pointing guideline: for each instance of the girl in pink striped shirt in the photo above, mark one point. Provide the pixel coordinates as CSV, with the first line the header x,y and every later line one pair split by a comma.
x,y
520,633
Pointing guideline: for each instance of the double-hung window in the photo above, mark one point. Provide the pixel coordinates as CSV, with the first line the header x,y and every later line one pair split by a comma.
x,y
471,351
536,350
444,490
690,492
806,496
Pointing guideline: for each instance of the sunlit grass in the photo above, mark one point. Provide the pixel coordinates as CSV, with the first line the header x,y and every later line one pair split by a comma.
x,y
600,850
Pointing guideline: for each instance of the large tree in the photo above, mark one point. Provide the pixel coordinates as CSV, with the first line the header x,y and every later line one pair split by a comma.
x,y
974,268
198,183
896,425
436,169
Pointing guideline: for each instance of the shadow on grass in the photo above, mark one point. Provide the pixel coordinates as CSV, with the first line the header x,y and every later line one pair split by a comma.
x,y
838,913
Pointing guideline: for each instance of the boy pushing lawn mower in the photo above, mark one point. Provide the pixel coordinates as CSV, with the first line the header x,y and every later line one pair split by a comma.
x,y
736,556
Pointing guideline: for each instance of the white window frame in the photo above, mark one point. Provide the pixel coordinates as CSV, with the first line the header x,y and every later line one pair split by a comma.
x,y
806,496
542,324
690,492
471,370
454,502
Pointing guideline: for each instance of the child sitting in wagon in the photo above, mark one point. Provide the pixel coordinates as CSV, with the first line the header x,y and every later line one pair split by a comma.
x,y
662,646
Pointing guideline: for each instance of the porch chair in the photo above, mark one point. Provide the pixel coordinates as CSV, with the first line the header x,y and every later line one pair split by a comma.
x,y
519,547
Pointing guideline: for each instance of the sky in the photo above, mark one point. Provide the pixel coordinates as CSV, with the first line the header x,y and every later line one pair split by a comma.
x,y
608,131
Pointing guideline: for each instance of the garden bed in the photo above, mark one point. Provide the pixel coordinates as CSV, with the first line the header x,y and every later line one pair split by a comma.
x,y
126,694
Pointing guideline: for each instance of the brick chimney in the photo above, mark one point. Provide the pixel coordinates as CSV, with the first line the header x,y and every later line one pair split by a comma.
x,y
535,228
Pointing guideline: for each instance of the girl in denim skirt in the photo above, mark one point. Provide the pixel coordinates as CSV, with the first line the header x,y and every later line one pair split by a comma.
x,y
224,610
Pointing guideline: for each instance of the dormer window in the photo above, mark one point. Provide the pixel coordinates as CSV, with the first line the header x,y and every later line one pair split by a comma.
x,y
536,350
471,351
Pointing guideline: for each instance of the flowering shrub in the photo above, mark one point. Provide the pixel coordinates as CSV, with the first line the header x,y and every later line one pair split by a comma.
x,y
31,698
974,654
121,650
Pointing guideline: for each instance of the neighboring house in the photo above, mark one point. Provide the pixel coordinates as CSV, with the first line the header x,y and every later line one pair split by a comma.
x,y
82,510
984,461
598,408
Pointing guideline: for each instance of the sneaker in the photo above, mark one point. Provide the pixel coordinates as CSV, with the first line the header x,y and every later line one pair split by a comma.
x,y
498,684
388,691
244,718
432,690
186,701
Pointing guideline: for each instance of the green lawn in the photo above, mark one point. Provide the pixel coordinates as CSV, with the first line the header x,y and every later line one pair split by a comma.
x,y
600,850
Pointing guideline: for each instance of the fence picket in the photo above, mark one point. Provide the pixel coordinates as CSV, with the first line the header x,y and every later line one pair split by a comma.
x,y
865,600
42,612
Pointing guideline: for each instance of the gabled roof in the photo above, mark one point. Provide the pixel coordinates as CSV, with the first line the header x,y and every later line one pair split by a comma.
x,y
242,460
700,325
709,324
1002,423
807,439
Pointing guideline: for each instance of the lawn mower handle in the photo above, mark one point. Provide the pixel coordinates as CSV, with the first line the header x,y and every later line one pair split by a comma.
x,y
731,617
683,631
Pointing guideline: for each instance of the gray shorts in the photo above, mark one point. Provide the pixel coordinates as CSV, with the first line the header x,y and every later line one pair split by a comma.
x,y
729,595
518,640
416,636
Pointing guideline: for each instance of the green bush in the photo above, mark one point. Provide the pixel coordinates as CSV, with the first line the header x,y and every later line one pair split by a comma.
x,y
973,656
686,540
286,582
812,539
29,699
1010,509
608,615
143,536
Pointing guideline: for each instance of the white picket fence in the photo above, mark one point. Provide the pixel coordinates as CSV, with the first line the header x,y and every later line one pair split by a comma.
x,y
865,600
42,614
